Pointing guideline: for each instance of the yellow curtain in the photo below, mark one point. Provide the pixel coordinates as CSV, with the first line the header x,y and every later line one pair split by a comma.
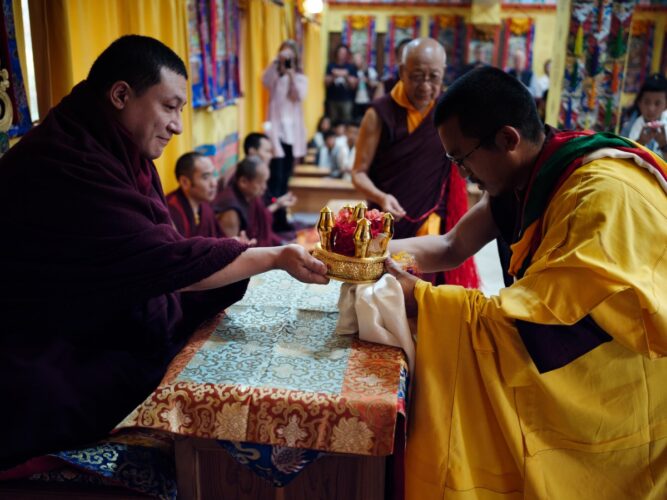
x,y
313,68
264,28
69,34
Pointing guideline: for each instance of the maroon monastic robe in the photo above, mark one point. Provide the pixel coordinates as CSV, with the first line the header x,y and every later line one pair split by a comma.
x,y
256,219
414,169
184,218
91,267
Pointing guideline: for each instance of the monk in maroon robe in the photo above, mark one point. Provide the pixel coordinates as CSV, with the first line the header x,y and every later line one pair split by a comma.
x,y
97,285
240,207
400,164
189,204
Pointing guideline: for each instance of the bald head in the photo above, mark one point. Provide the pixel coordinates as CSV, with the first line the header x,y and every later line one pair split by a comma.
x,y
421,70
424,49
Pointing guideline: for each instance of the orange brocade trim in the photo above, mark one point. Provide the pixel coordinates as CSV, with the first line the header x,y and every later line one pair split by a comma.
x,y
360,420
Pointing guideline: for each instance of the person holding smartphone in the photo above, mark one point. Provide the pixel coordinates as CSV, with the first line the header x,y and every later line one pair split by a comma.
x,y
287,87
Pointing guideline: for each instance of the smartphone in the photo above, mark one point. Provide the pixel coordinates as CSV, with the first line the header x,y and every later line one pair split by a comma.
x,y
288,63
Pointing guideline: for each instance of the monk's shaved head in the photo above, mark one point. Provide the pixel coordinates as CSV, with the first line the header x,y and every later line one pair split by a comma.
x,y
424,49
421,71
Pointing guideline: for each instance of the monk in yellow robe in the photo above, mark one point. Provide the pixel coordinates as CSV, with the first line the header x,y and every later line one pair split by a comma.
x,y
555,388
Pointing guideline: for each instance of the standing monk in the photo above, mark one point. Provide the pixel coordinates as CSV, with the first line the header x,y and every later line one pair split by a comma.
x,y
400,165
97,296
189,205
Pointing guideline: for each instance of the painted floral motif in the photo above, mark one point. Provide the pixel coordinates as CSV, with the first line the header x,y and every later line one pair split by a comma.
x,y
292,433
176,417
351,435
288,460
231,421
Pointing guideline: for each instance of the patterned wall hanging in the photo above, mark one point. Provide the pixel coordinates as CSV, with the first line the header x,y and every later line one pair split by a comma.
x,y
443,3
359,34
518,33
597,45
213,32
450,31
532,3
14,113
399,28
640,54
484,40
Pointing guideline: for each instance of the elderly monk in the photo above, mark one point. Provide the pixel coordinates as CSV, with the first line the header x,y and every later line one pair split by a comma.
x,y
555,388
239,208
189,204
97,296
399,163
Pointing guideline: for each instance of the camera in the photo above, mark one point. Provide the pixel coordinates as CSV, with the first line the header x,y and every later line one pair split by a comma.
x,y
288,64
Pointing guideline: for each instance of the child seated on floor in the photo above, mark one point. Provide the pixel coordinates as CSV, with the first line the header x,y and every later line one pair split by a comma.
x,y
324,154
344,153
323,126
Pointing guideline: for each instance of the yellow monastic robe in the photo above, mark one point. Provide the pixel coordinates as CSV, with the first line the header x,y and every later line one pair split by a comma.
x,y
485,424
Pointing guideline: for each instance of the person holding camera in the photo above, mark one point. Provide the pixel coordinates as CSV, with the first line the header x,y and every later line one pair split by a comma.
x,y
287,87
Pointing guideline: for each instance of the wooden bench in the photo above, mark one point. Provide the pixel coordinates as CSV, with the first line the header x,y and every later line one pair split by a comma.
x,y
314,192
310,158
311,171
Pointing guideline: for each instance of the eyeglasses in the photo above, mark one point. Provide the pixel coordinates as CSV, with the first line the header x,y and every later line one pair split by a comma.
x,y
421,78
459,161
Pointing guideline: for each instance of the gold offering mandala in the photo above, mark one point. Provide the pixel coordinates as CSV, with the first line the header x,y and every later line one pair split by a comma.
x,y
351,269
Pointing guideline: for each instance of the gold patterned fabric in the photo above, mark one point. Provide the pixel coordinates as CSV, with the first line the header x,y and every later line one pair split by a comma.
x,y
271,371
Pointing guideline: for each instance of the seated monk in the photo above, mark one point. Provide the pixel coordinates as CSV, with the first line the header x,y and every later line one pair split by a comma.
x,y
240,207
100,295
189,204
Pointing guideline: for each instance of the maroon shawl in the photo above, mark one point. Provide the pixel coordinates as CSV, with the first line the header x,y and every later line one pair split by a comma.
x,y
91,265
184,218
414,168
256,219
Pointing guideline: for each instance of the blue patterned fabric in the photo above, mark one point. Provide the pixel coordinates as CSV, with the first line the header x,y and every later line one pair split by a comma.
x,y
277,464
140,460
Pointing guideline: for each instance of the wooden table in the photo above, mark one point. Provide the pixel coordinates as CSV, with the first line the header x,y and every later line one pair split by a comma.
x,y
311,171
314,192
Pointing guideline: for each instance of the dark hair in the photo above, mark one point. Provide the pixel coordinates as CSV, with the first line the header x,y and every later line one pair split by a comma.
x,y
328,133
294,47
253,140
352,123
338,123
341,46
137,60
486,99
654,83
247,168
185,165
321,120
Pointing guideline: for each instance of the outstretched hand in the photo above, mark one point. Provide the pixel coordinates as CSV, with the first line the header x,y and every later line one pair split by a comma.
x,y
301,265
391,204
408,282
243,238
